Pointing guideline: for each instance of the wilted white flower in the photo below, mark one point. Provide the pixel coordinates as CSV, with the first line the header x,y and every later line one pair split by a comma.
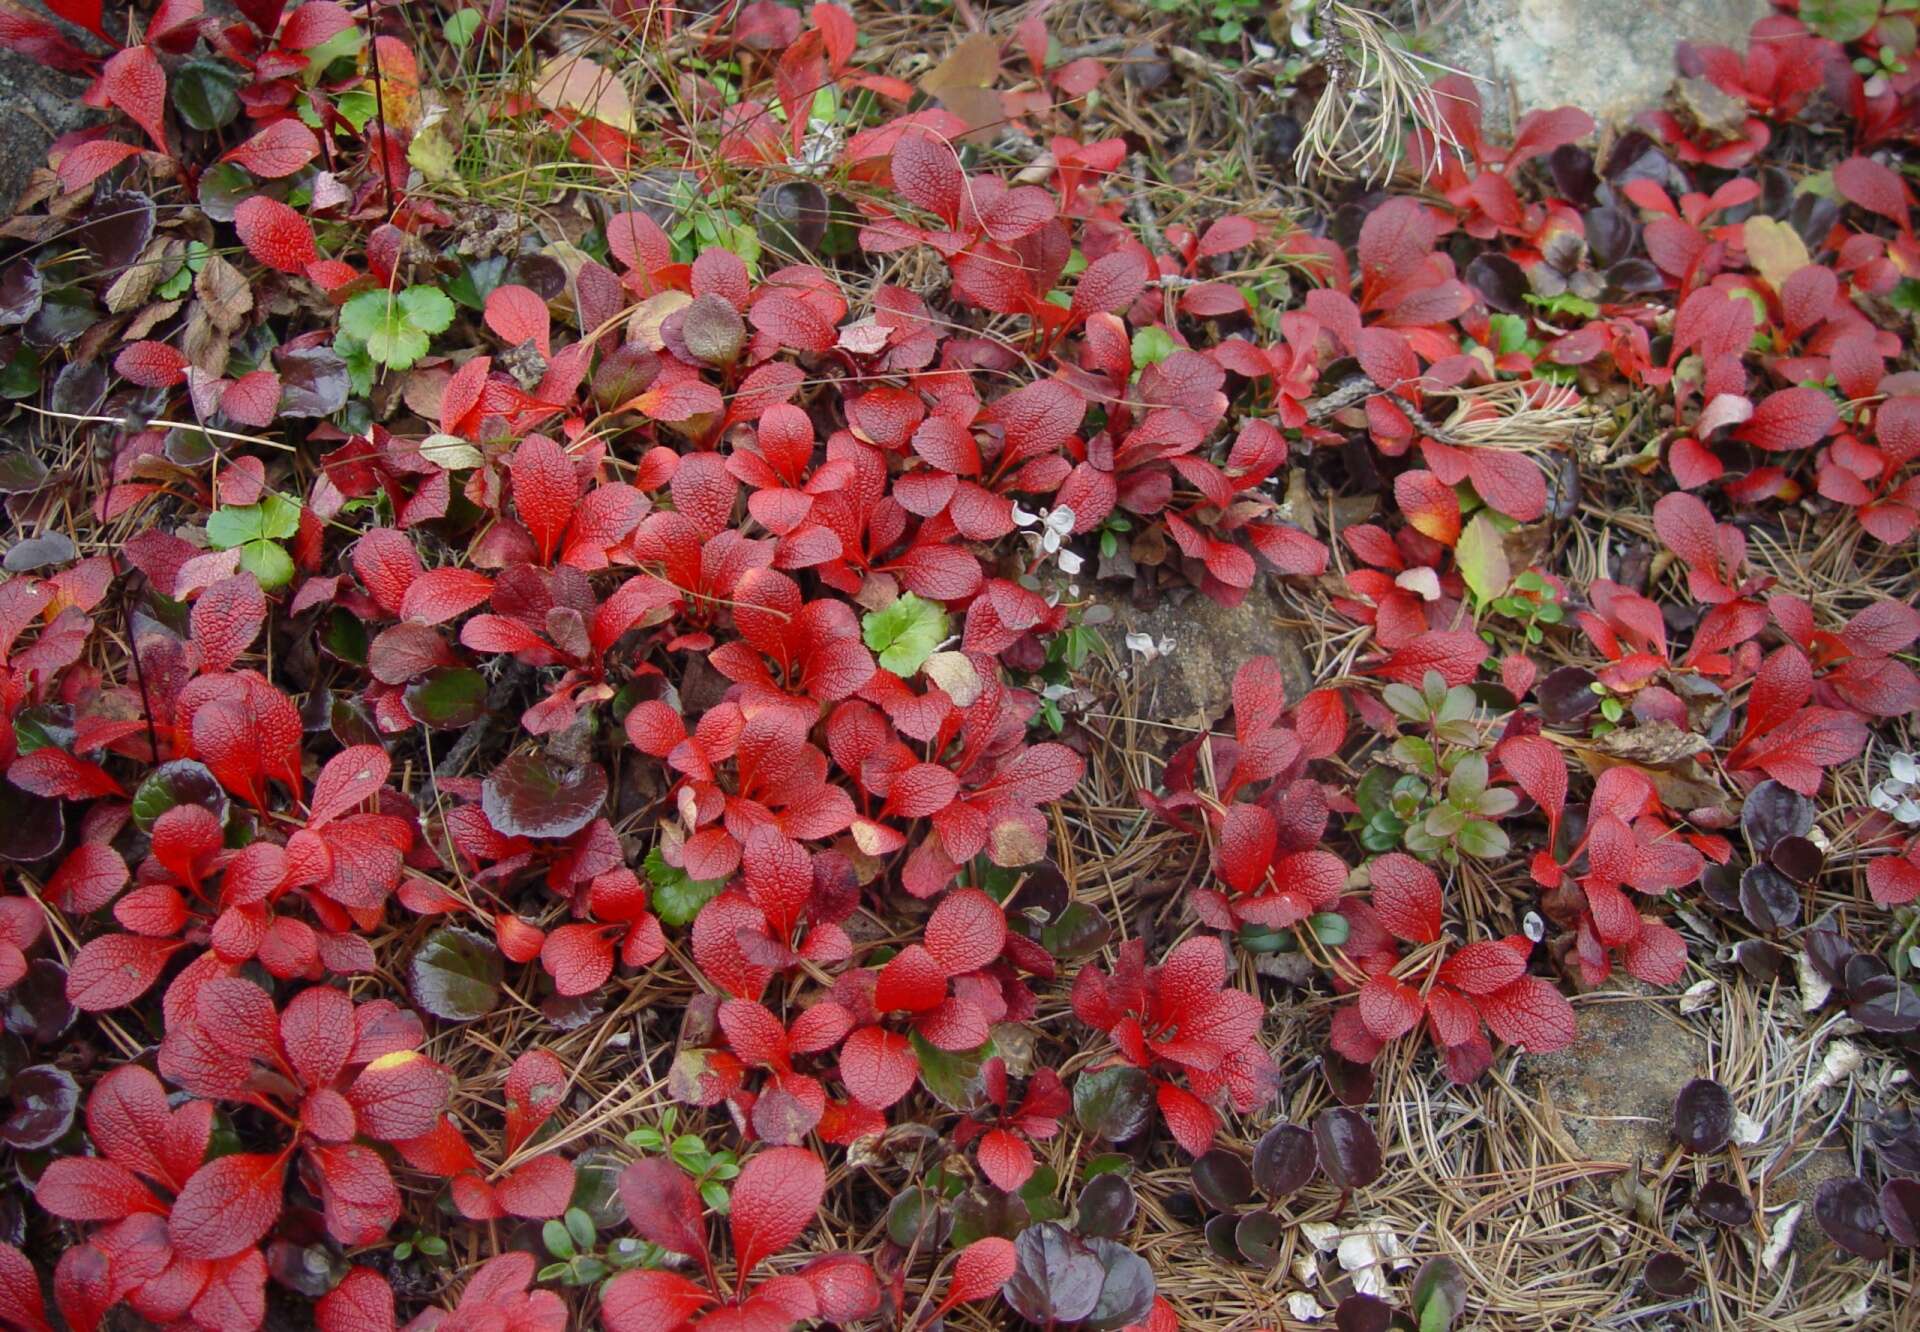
x,y
1535,927
819,150
1145,645
1896,794
1053,529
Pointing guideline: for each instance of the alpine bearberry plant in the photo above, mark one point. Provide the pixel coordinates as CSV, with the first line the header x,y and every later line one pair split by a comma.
x,y
621,614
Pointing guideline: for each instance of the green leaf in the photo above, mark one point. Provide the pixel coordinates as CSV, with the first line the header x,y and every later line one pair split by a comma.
x,y
268,563
446,699
905,633
675,897
1840,20
559,1243
456,974
953,1076
1113,1103
204,93
1483,840
461,27
176,783
279,517
430,310
1482,557
395,327
1152,345
235,525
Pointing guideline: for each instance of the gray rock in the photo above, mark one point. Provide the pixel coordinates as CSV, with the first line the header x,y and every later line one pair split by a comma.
x,y
1612,1091
1192,685
37,105
1611,60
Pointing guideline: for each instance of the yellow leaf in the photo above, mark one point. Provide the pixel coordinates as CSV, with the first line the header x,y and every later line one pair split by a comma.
x,y
575,83
1774,249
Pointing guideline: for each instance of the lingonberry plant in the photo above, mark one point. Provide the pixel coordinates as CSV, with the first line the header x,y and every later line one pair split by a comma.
x,y
501,680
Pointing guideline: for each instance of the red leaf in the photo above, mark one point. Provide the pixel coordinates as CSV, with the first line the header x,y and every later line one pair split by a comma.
x,y
663,1206
280,149
85,163
438,595
578,957
1816,738
646,1301
1110,284
1406,893
227,1206
1007,1161
87,879
1394,240
517,314
385,563
226,618
1389,1008
151,365
775,1198
274,234
400,1095
966,931
1226,235
45,44
1430,505
754,1033
362,1302
86,1188
545,491
128,1119
1688,529
253,399
878,1067
1537,768
1874,187
1793,418
56,774
1188,1118
1531,1014
793,323
982,1268
1542,131
1484,967
912,981
536,1084
538,1190
926,173
1455,653
133,81
20,1299
115,969
348,779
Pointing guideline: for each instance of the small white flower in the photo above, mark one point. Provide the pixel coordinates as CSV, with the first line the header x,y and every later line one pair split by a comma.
x,y
1144,644
1904,767
1535,927
1907,811
1050,541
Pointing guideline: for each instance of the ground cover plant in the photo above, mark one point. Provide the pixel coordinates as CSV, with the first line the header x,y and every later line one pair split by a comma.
x,y
578,754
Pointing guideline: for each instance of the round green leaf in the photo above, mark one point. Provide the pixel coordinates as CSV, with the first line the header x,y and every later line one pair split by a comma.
x,y
1113,1103
456,974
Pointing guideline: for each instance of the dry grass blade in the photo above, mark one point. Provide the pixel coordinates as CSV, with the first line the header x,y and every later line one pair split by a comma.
x,y
1376,90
